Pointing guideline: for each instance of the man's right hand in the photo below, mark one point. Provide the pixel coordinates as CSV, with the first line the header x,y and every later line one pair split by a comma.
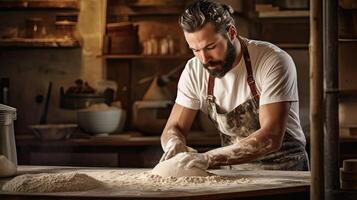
x,y
174,146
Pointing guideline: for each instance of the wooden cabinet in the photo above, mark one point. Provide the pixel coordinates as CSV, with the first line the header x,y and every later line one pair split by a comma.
x,y
287,28
347,78
40,17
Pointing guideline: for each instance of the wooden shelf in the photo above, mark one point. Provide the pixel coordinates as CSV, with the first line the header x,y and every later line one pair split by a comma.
x,y
292,46
140,56
145,10
348,92
283,14
40,4
40,42
347,40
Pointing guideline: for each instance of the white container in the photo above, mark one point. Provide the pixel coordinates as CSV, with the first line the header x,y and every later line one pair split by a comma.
x,y
8,156
101,121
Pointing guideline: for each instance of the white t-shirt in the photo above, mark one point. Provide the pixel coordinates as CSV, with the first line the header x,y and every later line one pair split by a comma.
x,y
274,73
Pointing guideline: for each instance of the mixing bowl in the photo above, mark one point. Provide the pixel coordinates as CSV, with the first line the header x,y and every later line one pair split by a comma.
x,y
100,121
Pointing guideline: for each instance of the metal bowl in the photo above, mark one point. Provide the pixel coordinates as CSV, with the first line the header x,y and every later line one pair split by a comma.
x,y
53,131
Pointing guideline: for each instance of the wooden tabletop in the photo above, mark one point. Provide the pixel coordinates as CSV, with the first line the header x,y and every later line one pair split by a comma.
x,y
282,182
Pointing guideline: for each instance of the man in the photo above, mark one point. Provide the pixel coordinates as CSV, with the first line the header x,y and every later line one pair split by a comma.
x,y
248,89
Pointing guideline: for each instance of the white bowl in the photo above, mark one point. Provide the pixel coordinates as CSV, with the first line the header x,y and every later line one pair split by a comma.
x,y
100,121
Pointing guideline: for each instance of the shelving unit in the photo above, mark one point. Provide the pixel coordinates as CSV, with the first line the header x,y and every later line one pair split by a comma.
x,y
347,39
46,42
268,22
292,46
140,56
39,4
283,14
348,93
49,11
145,10
154,18
347,45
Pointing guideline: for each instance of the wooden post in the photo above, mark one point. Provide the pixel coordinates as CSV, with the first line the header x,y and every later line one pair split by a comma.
x,y
316,102
330,62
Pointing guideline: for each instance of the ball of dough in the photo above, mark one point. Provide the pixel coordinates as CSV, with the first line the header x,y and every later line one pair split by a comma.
x,y
172,168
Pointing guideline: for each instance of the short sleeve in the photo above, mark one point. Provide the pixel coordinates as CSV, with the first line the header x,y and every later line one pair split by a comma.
x,y
279,80
187,91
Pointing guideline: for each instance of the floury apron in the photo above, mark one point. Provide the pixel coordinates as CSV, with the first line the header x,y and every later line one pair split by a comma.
x,y
244,120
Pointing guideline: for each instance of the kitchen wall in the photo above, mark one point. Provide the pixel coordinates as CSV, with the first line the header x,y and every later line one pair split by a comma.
x,y
31,69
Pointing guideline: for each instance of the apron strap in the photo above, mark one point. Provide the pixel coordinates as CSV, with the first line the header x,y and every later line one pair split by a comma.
x,y
250,78
210,86
248,66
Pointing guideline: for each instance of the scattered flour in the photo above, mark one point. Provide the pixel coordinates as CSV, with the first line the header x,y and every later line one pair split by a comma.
x,y
130,181
7,168
171,167
147,181
62,182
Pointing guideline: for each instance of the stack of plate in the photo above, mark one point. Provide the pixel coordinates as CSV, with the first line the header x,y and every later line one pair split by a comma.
x,y
348,174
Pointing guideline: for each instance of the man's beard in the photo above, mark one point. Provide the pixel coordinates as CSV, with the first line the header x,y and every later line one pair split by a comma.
x,y
222,66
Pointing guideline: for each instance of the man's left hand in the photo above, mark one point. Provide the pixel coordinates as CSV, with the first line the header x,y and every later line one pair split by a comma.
x,y
192,159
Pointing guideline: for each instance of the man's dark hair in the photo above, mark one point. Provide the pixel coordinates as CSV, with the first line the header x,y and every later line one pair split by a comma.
x,y
202,12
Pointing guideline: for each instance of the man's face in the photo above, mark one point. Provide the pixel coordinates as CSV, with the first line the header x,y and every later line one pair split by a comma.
x,y
214,51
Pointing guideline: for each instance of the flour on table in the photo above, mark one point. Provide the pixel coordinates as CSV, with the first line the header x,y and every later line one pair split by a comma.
x,y
7,168
119,182
172,168
45,182
131,181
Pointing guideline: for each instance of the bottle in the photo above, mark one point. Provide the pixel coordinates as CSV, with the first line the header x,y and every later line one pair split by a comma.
x,y
154,45
164,46
171,45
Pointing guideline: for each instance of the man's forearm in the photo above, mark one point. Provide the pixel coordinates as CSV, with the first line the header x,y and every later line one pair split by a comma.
x,y
172,132
246,150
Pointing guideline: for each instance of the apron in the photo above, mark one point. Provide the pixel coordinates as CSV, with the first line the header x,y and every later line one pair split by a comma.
x,y
244,120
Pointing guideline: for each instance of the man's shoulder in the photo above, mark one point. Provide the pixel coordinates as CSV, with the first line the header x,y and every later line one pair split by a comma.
x,y
193,65
193,62
265,46
264,49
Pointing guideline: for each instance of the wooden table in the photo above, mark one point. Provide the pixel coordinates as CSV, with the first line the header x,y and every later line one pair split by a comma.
x,y
284,185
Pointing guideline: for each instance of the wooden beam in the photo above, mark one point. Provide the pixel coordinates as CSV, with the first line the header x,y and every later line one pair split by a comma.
x,y
316,102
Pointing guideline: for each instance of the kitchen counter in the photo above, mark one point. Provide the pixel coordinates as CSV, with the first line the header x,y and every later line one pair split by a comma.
x,y
283,185
121,139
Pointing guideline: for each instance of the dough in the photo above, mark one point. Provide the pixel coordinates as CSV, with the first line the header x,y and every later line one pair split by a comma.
x,y
7,168
172,168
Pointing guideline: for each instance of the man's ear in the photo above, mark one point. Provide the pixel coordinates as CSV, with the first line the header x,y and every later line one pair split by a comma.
x,y
232,32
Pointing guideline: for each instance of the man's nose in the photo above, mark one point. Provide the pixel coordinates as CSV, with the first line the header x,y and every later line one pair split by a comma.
x,y
205,57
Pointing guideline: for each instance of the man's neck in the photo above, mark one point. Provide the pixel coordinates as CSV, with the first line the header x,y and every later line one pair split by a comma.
x,y
238,47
